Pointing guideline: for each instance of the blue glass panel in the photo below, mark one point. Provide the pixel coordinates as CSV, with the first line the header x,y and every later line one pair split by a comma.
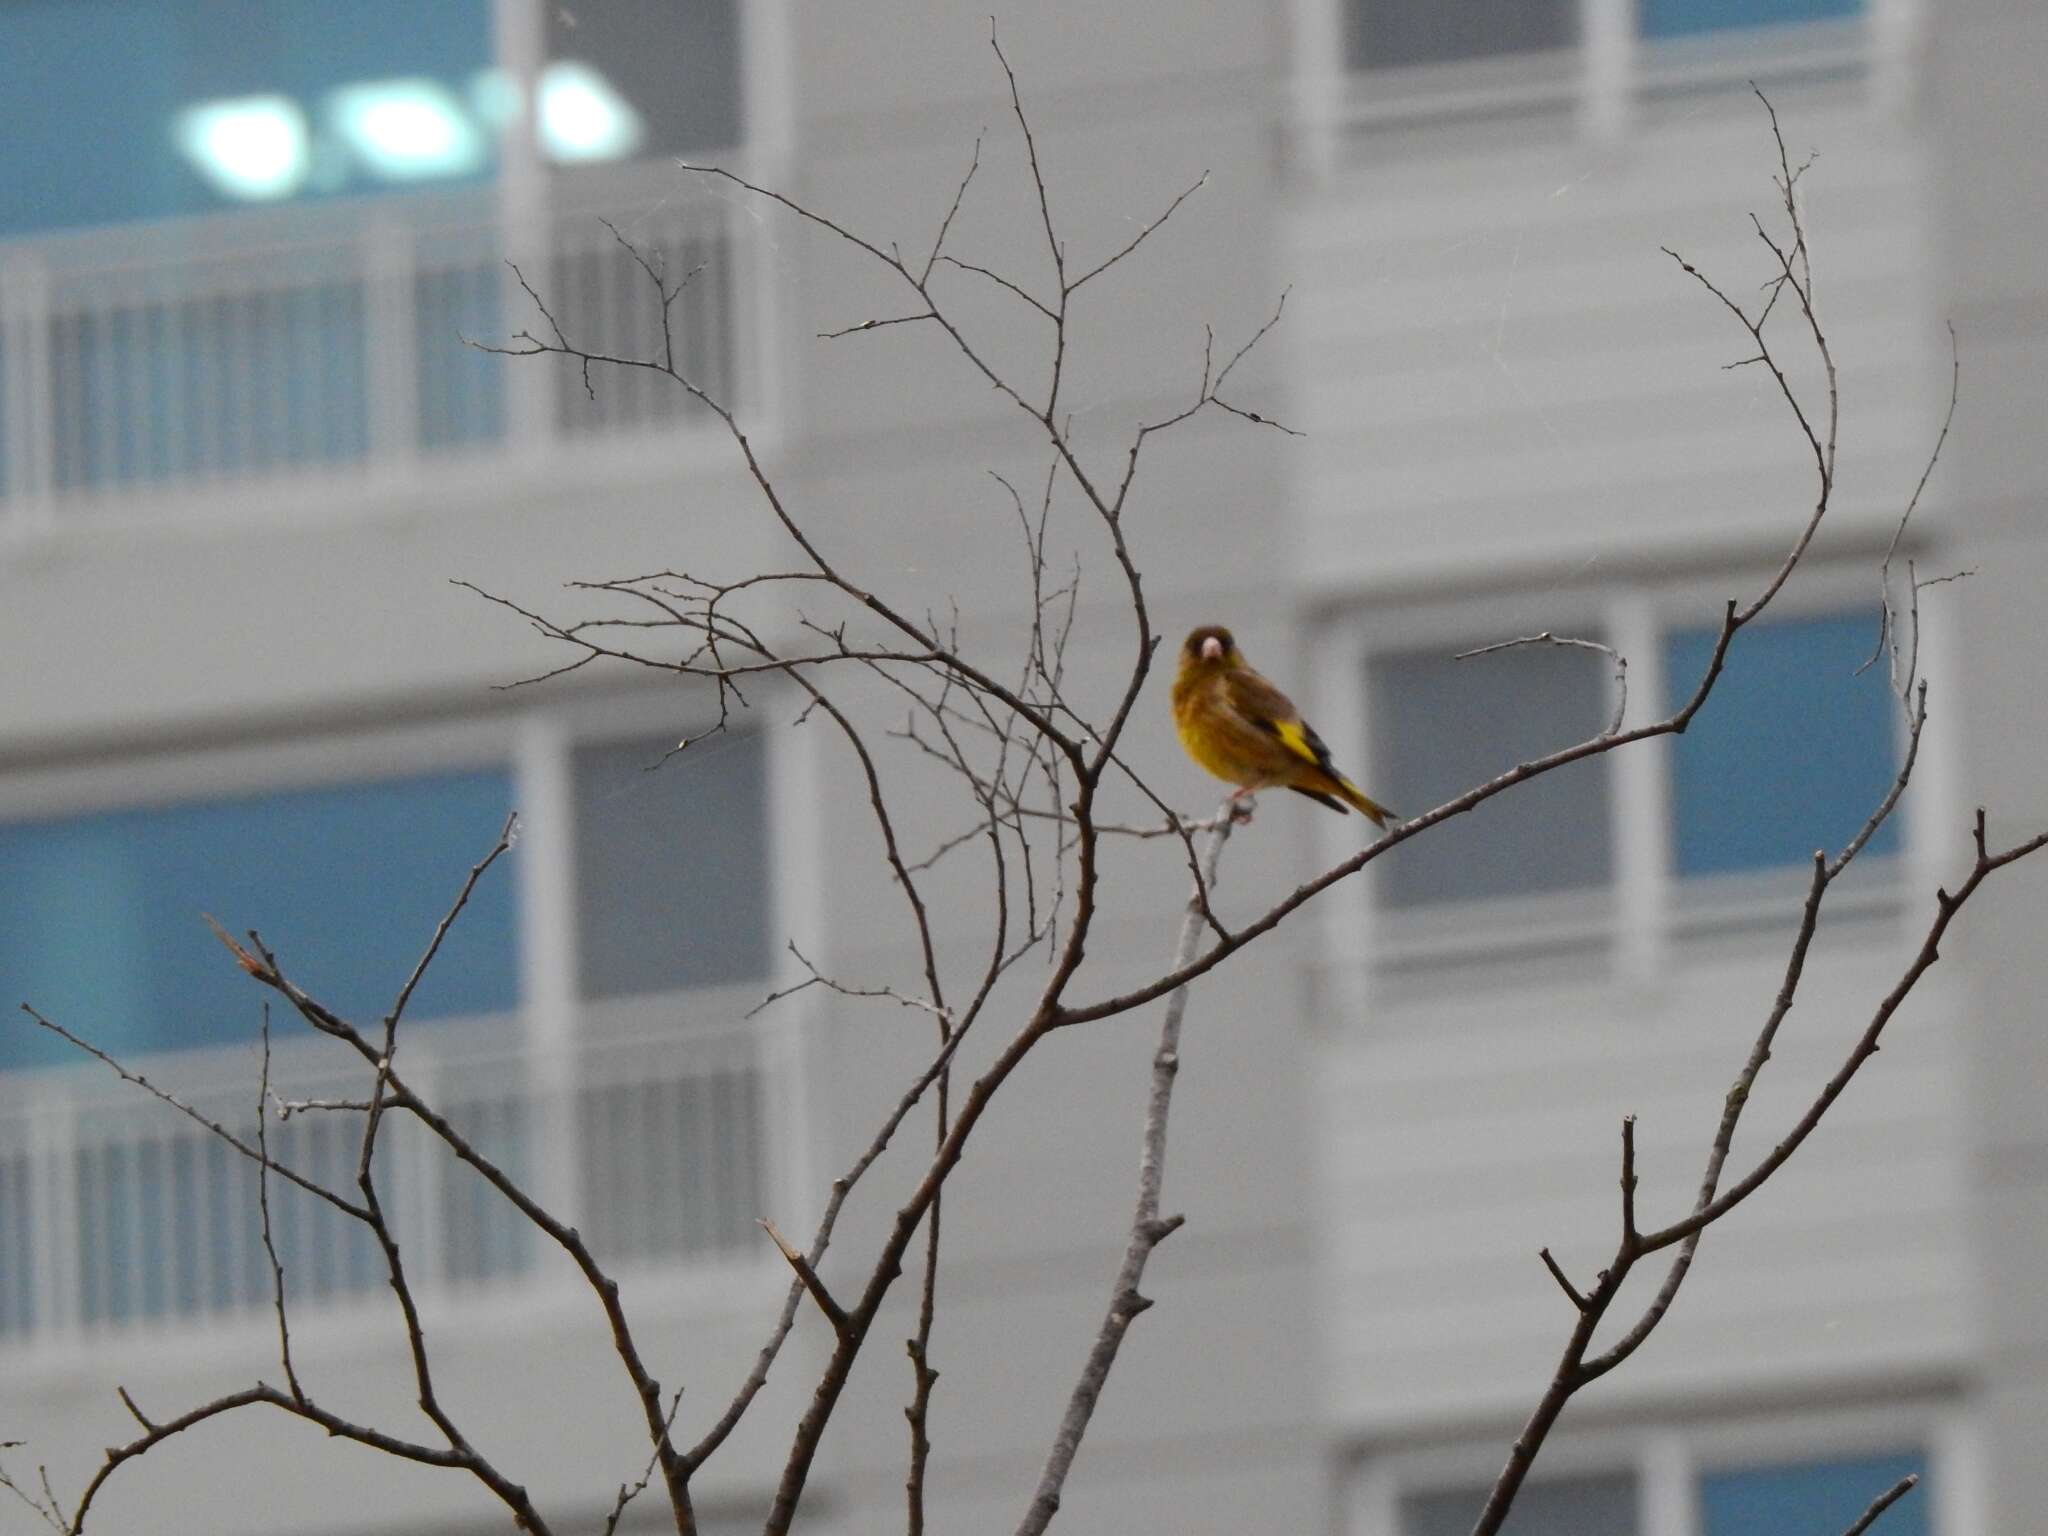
x,y
1792,751
90,92
1801,1498
1683,18
100,915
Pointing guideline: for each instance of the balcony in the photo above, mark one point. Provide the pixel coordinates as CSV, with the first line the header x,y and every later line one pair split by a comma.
x,y
120,1218
144,368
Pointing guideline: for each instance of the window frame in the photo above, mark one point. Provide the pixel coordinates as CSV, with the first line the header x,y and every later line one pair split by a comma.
x,y
1650,918
548,1020
1669,1454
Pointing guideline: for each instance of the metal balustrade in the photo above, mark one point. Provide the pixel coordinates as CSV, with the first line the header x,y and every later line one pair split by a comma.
x,y
119,1214
307,341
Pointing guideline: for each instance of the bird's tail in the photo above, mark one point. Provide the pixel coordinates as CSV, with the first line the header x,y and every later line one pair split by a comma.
x,y
1358,798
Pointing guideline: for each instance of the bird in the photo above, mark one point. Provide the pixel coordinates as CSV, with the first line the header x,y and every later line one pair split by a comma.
x,y
1245,731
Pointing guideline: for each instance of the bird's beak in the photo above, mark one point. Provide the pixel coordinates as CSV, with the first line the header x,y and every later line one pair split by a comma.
x,y
1212,649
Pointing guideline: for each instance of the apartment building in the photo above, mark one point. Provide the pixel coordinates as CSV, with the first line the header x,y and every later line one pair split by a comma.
x,y
245,452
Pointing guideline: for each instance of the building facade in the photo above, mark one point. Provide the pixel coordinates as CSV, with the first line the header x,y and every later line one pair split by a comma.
x,y
248,459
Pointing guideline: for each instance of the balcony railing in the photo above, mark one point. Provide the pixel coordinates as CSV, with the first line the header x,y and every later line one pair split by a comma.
x,y
118,1214
312,340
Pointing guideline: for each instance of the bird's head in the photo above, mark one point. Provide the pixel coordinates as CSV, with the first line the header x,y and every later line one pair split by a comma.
x,y
1211,648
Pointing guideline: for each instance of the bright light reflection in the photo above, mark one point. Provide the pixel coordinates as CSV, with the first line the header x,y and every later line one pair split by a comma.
x,y
407,130
582,118
248,147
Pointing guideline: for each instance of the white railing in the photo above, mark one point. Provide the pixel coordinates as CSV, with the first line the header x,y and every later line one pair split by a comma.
x,y
117,1213
309,340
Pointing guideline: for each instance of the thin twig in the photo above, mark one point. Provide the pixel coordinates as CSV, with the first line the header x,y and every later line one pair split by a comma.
x,y
284,1331
834,1313
1547,638
1883,1502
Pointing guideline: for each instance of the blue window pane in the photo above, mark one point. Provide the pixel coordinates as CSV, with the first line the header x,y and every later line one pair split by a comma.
x,y
92,92
1801,1498
1792,751
100,915
1683,18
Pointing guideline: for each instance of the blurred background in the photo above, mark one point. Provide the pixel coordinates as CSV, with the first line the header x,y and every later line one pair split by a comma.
x,y
245,450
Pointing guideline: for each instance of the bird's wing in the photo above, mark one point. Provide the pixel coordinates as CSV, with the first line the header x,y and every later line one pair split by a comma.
x,y
1266,707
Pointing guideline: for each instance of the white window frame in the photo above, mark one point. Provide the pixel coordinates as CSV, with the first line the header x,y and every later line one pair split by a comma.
x,y
1609,83
1643,921
1668,1455
532,745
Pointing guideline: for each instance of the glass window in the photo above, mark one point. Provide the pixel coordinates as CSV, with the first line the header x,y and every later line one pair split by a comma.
x,y
115,110
1791,752
671,864
1565,1506
1798,1498
1682,18
1443,726
1386,34
647,77
102,929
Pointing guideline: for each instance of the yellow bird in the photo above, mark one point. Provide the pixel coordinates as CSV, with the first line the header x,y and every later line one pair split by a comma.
x,y
1248,733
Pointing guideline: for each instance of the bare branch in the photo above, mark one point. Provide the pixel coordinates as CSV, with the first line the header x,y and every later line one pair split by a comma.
x,y
1883,1502
834,1313
627,1494
1148,1227
1547,638
1887,622
319,1191
284,1331
1564,1283
946,224
1140,237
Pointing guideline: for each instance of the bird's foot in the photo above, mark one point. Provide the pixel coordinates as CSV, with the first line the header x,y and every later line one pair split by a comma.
x,y
1242,802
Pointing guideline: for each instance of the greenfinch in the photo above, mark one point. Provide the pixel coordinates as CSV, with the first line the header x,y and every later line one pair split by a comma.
x,y
1248,733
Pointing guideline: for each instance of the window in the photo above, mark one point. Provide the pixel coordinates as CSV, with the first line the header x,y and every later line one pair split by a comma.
x,y
1675,1483
1568,1506
669,864
115,112
1387,34
262,333
1792,750
104,929
654,1096
646,75
1792,1498
671,895
1680,18
1796,746
1606,62
1444,725
1392,34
